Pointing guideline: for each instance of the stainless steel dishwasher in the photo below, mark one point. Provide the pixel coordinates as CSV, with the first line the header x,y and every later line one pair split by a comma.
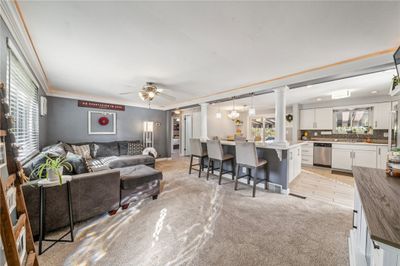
x,y
322,154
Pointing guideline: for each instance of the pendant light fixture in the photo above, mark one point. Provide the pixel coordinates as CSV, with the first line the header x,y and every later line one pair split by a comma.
x,y
233,114
252,110
218,115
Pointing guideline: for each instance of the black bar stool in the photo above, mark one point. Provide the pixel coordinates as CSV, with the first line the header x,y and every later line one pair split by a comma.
x,y
246,156
199,152
215,153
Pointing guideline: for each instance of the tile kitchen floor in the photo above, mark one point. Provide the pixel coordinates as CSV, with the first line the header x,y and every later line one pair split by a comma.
x,y
320,184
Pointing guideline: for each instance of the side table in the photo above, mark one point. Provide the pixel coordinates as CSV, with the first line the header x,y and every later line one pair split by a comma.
x,y
43,184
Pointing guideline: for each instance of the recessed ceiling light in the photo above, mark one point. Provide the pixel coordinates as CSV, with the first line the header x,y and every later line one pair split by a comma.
x,y
341,94
319,99
309,86
374,92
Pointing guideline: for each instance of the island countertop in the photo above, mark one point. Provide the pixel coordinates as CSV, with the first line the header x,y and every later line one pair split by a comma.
x,y
380,198
266,145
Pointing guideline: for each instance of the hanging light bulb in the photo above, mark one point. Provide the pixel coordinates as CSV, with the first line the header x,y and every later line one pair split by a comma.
x,y
218,115
233,114
252,110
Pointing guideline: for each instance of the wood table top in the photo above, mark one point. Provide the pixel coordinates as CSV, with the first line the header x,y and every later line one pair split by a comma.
x,y
380,198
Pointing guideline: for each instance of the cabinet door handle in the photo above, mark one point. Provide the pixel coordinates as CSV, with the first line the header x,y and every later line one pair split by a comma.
x,y
375,245
376,124
354,212
379,151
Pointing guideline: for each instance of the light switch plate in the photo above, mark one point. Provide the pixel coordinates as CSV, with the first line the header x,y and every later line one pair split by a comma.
x,y
244,170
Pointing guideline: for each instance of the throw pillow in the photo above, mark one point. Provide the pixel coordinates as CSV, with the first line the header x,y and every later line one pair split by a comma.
x,y
82,150
123,146
55,150
135,148
77,162
106,149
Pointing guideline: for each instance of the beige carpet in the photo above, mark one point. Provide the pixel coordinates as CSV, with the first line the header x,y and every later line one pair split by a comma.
x,y
195,222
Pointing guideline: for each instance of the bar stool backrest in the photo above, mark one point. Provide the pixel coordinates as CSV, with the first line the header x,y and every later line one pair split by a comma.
x,y
246,153
214,149
197,148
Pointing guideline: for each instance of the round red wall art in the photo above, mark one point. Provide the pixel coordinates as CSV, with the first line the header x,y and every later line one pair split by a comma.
x,y
103,121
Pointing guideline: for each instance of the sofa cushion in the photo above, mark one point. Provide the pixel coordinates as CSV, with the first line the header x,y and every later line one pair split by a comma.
x,y
55,150
126,161
123,146
30,166
77,162
82,150
105,149
134,176
100,164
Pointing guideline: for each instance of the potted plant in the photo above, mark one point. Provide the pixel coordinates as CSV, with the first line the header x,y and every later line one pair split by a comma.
x,y
53,168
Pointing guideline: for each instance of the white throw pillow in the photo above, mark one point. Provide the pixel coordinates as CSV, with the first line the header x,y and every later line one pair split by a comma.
x,y
82,150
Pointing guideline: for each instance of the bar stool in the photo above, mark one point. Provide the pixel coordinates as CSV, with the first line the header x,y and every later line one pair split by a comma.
x,y
199,152
246,156
215,153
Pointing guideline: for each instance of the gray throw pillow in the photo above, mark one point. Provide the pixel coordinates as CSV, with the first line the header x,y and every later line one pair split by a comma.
x,y
78,164
55,150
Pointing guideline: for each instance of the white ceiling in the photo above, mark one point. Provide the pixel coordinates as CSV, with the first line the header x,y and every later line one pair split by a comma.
x,y
196,49
373,86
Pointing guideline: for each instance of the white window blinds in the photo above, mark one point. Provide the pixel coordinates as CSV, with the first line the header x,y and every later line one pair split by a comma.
x,y
24,107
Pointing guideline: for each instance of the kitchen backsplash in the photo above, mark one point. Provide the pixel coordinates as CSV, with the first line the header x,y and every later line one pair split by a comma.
x,y
377,136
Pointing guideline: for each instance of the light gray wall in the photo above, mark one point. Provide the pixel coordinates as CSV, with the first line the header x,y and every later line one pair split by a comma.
x,y
69,123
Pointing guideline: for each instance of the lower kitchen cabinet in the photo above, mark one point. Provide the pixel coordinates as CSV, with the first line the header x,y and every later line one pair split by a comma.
x,y
362,249
345,156
381,157
294,163
342,158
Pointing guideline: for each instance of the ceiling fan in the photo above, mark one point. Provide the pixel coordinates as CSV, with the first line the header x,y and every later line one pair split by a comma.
x,y
149,91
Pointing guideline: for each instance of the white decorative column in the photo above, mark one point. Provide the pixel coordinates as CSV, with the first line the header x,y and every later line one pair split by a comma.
x,y
203,120
295,122
280,116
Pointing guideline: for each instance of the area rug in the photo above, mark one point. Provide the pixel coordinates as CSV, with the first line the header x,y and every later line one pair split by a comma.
x,y
198,222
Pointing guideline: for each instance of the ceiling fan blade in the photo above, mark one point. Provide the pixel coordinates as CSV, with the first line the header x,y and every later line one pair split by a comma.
x,y
130,92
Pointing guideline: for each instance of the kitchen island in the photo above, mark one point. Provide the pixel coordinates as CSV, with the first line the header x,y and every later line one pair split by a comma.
x,y
284,162
375,237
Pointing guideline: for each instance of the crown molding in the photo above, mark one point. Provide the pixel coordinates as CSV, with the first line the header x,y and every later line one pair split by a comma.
x,y
9,11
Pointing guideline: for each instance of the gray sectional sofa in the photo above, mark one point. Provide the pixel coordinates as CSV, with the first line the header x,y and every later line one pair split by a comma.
x,y
97,185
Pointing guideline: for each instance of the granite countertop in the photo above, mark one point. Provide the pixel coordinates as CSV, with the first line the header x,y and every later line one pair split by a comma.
x,y
264,145
380,198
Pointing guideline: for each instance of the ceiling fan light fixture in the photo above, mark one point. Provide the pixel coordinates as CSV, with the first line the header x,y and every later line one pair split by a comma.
x,y
142,96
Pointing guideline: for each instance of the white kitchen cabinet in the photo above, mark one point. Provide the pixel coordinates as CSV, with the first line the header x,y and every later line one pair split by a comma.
x,y
307,153
320,119
342,158
294,163
307,119
381,156
381,115
324,118
364,158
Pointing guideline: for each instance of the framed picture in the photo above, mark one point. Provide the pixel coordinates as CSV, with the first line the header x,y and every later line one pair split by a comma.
x,y
102,122
21,245
43,106
11,199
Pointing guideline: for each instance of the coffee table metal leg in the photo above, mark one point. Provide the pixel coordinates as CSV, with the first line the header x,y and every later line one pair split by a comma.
x,y
41,219
71,220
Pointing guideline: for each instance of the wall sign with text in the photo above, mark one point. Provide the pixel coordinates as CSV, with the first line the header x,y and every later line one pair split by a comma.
x,y
98,105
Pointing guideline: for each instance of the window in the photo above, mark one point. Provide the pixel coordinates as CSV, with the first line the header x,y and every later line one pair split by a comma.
x,y
352,120
262,128
24,106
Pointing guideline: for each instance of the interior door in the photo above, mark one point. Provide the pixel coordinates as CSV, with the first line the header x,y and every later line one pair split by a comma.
x,y
188,134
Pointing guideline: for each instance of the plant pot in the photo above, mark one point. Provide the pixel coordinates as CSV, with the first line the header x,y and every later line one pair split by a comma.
x,y
52,174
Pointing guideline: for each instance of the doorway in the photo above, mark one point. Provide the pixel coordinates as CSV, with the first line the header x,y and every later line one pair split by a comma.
x,y
187,134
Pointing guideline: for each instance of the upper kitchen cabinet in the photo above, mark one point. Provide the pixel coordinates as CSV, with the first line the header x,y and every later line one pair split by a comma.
x,y
381,115
320,118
